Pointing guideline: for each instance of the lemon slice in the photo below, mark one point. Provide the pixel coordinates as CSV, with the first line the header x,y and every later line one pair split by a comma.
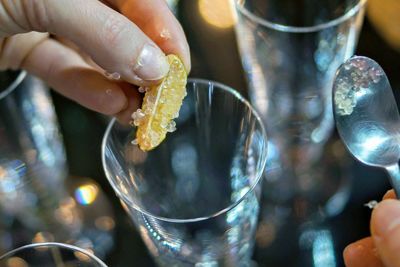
x,y
161,104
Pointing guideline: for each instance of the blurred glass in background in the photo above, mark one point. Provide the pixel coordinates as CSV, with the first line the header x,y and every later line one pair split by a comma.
x,y
290,51
37,202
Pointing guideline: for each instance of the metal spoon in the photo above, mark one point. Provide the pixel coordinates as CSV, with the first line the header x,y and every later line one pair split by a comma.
x,y
366,115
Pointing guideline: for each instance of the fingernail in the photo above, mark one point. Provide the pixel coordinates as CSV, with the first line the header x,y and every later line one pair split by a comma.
x,y
386,218
151,63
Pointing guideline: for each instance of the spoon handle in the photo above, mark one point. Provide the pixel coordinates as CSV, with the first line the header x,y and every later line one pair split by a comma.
x,y
394,174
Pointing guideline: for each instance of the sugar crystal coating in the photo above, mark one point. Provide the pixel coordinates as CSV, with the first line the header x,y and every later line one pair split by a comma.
x,y
134,142
142,89
160,106
138,117
113,75
358,76
171,127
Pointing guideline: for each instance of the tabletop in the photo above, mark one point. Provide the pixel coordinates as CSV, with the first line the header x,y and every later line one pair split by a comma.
x,y
215,57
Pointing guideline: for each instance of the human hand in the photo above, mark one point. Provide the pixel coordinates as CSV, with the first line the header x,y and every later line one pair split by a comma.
x,y
125,37
383,246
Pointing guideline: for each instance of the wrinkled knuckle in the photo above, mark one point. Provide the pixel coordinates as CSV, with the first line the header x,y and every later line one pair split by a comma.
x,y
114,29
8,59
3,65
36,14
15,49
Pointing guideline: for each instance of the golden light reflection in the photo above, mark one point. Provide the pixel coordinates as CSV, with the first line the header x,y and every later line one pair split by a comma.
x,y
86,194
124,206
66,212
3,172
218,13
266,234
147,240
105,223
42,237
16,262
83,257
384,15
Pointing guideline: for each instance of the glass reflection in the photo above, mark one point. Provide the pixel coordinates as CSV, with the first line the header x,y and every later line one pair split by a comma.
x,y
194,199
35,202
322,247
184,164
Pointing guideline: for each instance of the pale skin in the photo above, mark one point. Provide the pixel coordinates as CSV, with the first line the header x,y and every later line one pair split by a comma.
x,y
382,248
71,43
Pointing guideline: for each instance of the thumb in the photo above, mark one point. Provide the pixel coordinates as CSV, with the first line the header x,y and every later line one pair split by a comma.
x,y
112,40
385,229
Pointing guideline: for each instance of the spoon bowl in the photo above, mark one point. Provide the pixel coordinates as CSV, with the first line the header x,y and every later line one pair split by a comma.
x,y
366,115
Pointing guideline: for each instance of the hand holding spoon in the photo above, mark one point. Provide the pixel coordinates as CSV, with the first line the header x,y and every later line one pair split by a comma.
x,y
367,117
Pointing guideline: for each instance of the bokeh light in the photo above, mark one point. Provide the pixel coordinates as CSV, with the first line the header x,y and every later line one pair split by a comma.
x,y
217,13
86,194
16,262
105,223
41,237
83,257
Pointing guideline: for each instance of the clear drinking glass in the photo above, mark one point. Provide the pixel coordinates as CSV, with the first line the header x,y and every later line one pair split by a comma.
x,y
32,156
50,255
290,51
35,202
195,198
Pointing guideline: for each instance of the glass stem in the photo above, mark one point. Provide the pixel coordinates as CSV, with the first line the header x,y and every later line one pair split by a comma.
x,y
394,173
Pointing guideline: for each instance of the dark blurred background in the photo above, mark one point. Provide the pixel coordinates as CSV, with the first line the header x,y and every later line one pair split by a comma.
x,y
215,57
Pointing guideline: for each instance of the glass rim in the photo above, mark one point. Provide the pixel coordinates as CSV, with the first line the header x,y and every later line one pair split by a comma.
x,y
54,244
299,29
11,87
219,212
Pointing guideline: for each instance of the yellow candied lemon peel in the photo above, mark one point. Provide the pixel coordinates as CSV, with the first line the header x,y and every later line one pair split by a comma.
x,y
161,105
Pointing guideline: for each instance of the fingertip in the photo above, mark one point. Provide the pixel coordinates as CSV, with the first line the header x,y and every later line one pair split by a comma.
x,y
187,62
390,194
183,51
92,90
164,29
385,229
134,99
361,253
349,253
111,101
385,217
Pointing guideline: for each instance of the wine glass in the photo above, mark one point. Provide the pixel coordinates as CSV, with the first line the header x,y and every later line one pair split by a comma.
x,y
37,201
50,254
195,198
290,51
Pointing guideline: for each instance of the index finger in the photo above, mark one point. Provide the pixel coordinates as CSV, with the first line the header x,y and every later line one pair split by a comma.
x,y
157,21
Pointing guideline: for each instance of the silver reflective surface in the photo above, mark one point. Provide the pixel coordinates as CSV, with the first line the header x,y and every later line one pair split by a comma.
x,y
366,114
